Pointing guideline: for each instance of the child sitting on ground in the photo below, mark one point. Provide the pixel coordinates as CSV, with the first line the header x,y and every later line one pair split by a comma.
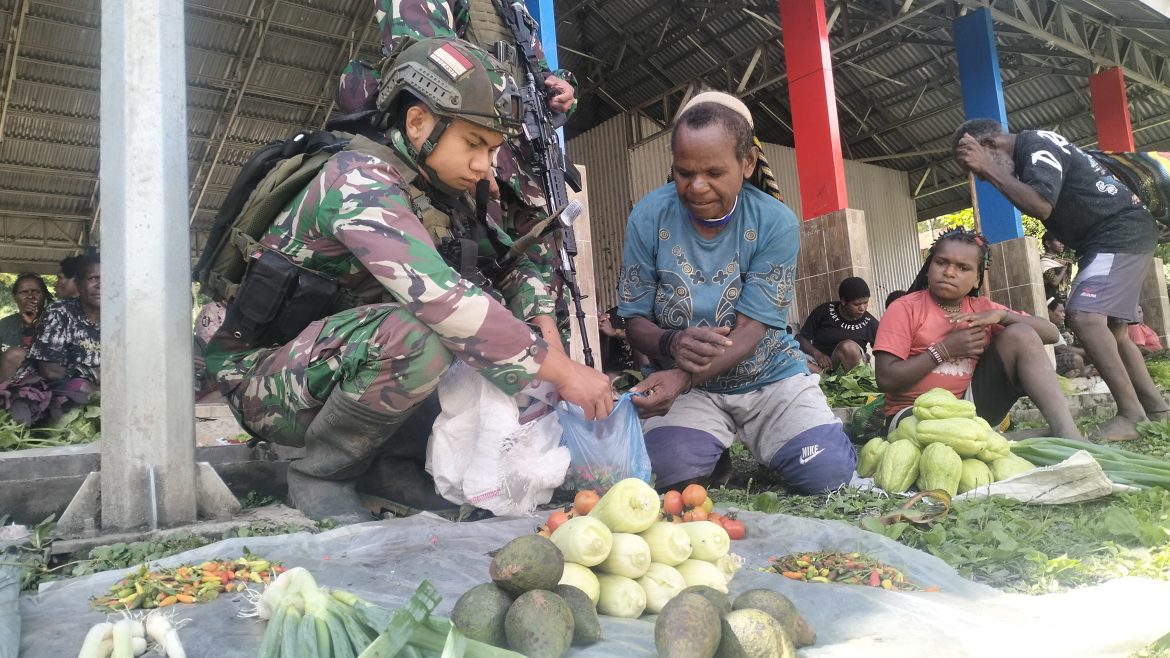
x,y
943,334
1143,336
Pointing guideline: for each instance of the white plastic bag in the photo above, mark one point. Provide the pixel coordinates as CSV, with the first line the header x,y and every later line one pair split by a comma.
x,y
480,453
1073,480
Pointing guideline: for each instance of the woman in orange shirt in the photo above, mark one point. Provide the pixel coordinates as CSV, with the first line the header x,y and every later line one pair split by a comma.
x,y
943,334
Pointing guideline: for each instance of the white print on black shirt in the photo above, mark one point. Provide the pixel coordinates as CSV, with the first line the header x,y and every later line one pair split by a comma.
x,y
1109,189
1059,140
1047,158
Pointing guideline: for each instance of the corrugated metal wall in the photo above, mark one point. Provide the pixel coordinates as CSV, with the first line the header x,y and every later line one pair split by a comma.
x,y
603,153
892,225
618,177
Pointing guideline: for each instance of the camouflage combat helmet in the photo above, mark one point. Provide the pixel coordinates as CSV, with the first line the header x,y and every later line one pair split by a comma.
x,y
454,79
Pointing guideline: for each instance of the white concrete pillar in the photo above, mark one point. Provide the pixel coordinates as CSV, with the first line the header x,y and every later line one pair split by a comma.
x,y
147,395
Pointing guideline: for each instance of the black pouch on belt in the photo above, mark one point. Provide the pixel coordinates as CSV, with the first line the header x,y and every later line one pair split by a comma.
x,y
277,300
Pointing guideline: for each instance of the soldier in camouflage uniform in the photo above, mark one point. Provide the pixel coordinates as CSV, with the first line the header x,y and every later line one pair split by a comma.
x,y
521,196
349,381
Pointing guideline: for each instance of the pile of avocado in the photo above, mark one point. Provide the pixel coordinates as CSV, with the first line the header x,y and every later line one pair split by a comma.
x,y
524,608
703,623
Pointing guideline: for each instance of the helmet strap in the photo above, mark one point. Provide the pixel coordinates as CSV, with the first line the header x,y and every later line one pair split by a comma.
x,y
425,150
432,140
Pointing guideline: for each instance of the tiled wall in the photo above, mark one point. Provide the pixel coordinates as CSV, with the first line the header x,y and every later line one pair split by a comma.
x,y
1014,278
1153,301
832,247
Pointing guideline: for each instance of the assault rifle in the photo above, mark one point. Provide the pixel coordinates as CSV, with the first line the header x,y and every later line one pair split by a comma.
x,y
540,134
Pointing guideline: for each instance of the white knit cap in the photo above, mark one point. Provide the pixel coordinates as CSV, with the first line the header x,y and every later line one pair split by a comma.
x,y
722,98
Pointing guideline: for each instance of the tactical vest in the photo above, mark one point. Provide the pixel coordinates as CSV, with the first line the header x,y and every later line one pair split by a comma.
x,y
436,222
276,298
486,28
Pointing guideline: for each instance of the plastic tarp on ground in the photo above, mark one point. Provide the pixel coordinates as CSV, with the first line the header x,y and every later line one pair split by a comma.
x,y
384,562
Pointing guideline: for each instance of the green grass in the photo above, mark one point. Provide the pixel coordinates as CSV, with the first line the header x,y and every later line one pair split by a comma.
x,y
1029,549
1014,547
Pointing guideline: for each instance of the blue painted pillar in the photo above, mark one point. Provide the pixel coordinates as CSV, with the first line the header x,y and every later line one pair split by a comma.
x,y
983,99
542,11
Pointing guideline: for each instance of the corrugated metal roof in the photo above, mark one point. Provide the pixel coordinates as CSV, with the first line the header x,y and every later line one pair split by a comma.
x,y
49,152
898,95
898,92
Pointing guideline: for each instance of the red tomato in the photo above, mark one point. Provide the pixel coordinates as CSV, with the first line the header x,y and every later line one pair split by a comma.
x,y
735,528
556,519
584,501
715,517
672,503
694,495
697,514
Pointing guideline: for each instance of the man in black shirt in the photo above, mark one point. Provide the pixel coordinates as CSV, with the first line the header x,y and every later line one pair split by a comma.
x,y
836,334
1112,233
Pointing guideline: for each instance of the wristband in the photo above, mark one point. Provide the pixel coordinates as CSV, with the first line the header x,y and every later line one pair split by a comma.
x,y
933,352
942,350
664,341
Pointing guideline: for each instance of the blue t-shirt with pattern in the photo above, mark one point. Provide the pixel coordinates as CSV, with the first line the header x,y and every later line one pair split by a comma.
x,y
675,278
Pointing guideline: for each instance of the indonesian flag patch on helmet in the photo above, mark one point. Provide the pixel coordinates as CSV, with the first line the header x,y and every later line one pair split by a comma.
x,y
454,63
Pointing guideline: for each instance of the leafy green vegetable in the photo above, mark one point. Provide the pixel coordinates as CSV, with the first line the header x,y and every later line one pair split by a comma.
x,y
77,425
855,388
1160,372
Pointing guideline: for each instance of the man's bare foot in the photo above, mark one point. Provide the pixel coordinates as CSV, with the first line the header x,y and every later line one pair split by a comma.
x,y
1118,428
1164,414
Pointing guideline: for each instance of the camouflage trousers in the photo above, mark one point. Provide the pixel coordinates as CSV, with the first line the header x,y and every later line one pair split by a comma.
x,y
380,354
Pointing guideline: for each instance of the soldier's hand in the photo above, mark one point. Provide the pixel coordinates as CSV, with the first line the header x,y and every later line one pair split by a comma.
x,y
695,348
589,389
561,94
661,389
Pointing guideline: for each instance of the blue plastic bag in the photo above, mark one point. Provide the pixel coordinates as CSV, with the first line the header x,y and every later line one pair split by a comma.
x,y
603,452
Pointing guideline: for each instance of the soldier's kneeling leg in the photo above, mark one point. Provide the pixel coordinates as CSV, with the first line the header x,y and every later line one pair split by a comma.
x,y
371,366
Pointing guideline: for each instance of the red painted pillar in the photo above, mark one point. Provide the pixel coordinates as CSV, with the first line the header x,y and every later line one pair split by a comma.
x,y
1111,110
814,107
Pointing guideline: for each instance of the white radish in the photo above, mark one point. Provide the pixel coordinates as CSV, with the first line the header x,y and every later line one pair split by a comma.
x,y
123,634
136,627
93,640
173,646
288,582
139,645
160,629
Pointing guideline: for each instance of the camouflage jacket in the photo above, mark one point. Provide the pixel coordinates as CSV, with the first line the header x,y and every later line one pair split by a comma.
x,y
424,19
522,196
354,222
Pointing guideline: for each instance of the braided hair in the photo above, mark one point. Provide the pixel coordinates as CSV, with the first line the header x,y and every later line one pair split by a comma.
x,y
957,235
763,177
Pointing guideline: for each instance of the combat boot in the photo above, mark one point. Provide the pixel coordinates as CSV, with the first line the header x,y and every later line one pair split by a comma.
x,y
340,444
402,486
397,480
